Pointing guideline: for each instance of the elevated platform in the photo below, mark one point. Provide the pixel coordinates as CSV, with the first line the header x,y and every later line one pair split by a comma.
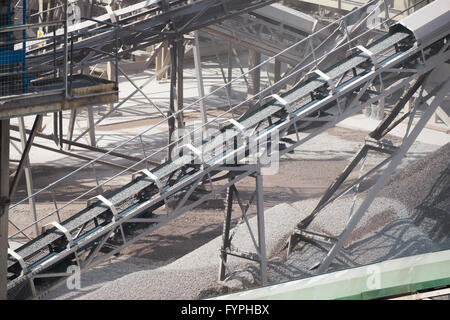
x,y
48,96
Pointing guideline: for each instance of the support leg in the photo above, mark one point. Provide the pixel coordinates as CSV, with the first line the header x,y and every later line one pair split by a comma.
x,y
180,67
230,67
199,75
261,227
4,196
55,128
274,70
60,118
73,115
173,82
254,76
226,234
91,126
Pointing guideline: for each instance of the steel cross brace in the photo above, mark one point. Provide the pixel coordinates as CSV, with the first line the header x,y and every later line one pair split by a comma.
x,y
228,234
396,159
393,161
95,257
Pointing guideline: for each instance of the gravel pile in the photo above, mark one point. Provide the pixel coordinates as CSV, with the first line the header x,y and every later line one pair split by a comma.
x,y
188,275
411,216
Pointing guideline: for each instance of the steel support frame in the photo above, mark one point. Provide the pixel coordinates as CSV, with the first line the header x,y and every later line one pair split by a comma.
x,y
172,95
285,125
396,158
227,234
422,72
4,205
170,24
89,258
352,108
237,30
116,107
177,212
72,154
199,76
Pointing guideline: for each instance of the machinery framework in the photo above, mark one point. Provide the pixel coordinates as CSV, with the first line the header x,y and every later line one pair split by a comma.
x,y
320,96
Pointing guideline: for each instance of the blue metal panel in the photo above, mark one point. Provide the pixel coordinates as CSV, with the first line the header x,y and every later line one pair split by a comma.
x,y
12,57
13,61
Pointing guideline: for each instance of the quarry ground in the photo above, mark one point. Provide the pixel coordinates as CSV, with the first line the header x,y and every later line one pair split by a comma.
x,y
153,268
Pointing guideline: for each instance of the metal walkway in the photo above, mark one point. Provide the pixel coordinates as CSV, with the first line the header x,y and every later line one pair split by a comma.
x,y
143,24
320,100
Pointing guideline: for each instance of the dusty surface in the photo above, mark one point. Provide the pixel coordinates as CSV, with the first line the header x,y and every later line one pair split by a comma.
x,y
409,217
302,178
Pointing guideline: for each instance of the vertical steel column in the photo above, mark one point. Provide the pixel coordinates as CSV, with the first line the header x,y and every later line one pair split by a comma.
x,y
199,76
65,48
180,79
226,233
160,60
73,115
173,82
261,226
4,204
396,159
230,67
91,126
254,59
55,128
61,136
110,73
275,70
24,43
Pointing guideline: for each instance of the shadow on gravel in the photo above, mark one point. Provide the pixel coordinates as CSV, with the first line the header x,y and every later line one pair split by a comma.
x,y
433,214
399,238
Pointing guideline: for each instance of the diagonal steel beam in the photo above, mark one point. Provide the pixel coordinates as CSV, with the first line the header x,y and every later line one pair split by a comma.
x,y
24,157
396,159
380,131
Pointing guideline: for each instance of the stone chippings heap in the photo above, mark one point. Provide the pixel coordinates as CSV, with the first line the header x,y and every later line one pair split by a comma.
x,y
410,216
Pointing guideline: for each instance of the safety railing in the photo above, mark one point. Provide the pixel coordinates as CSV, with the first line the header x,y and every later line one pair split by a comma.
x,y
37,53
148,139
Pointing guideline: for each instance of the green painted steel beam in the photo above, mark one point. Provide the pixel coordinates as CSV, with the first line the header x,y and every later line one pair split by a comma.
x,y
379,280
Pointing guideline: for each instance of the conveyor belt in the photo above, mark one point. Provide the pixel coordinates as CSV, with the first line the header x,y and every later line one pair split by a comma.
x,y
163,171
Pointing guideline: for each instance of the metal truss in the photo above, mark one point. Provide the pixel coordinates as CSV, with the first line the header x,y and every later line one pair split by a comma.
x,y
310,107
228,233
144,24
135,224
257,34
375,143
